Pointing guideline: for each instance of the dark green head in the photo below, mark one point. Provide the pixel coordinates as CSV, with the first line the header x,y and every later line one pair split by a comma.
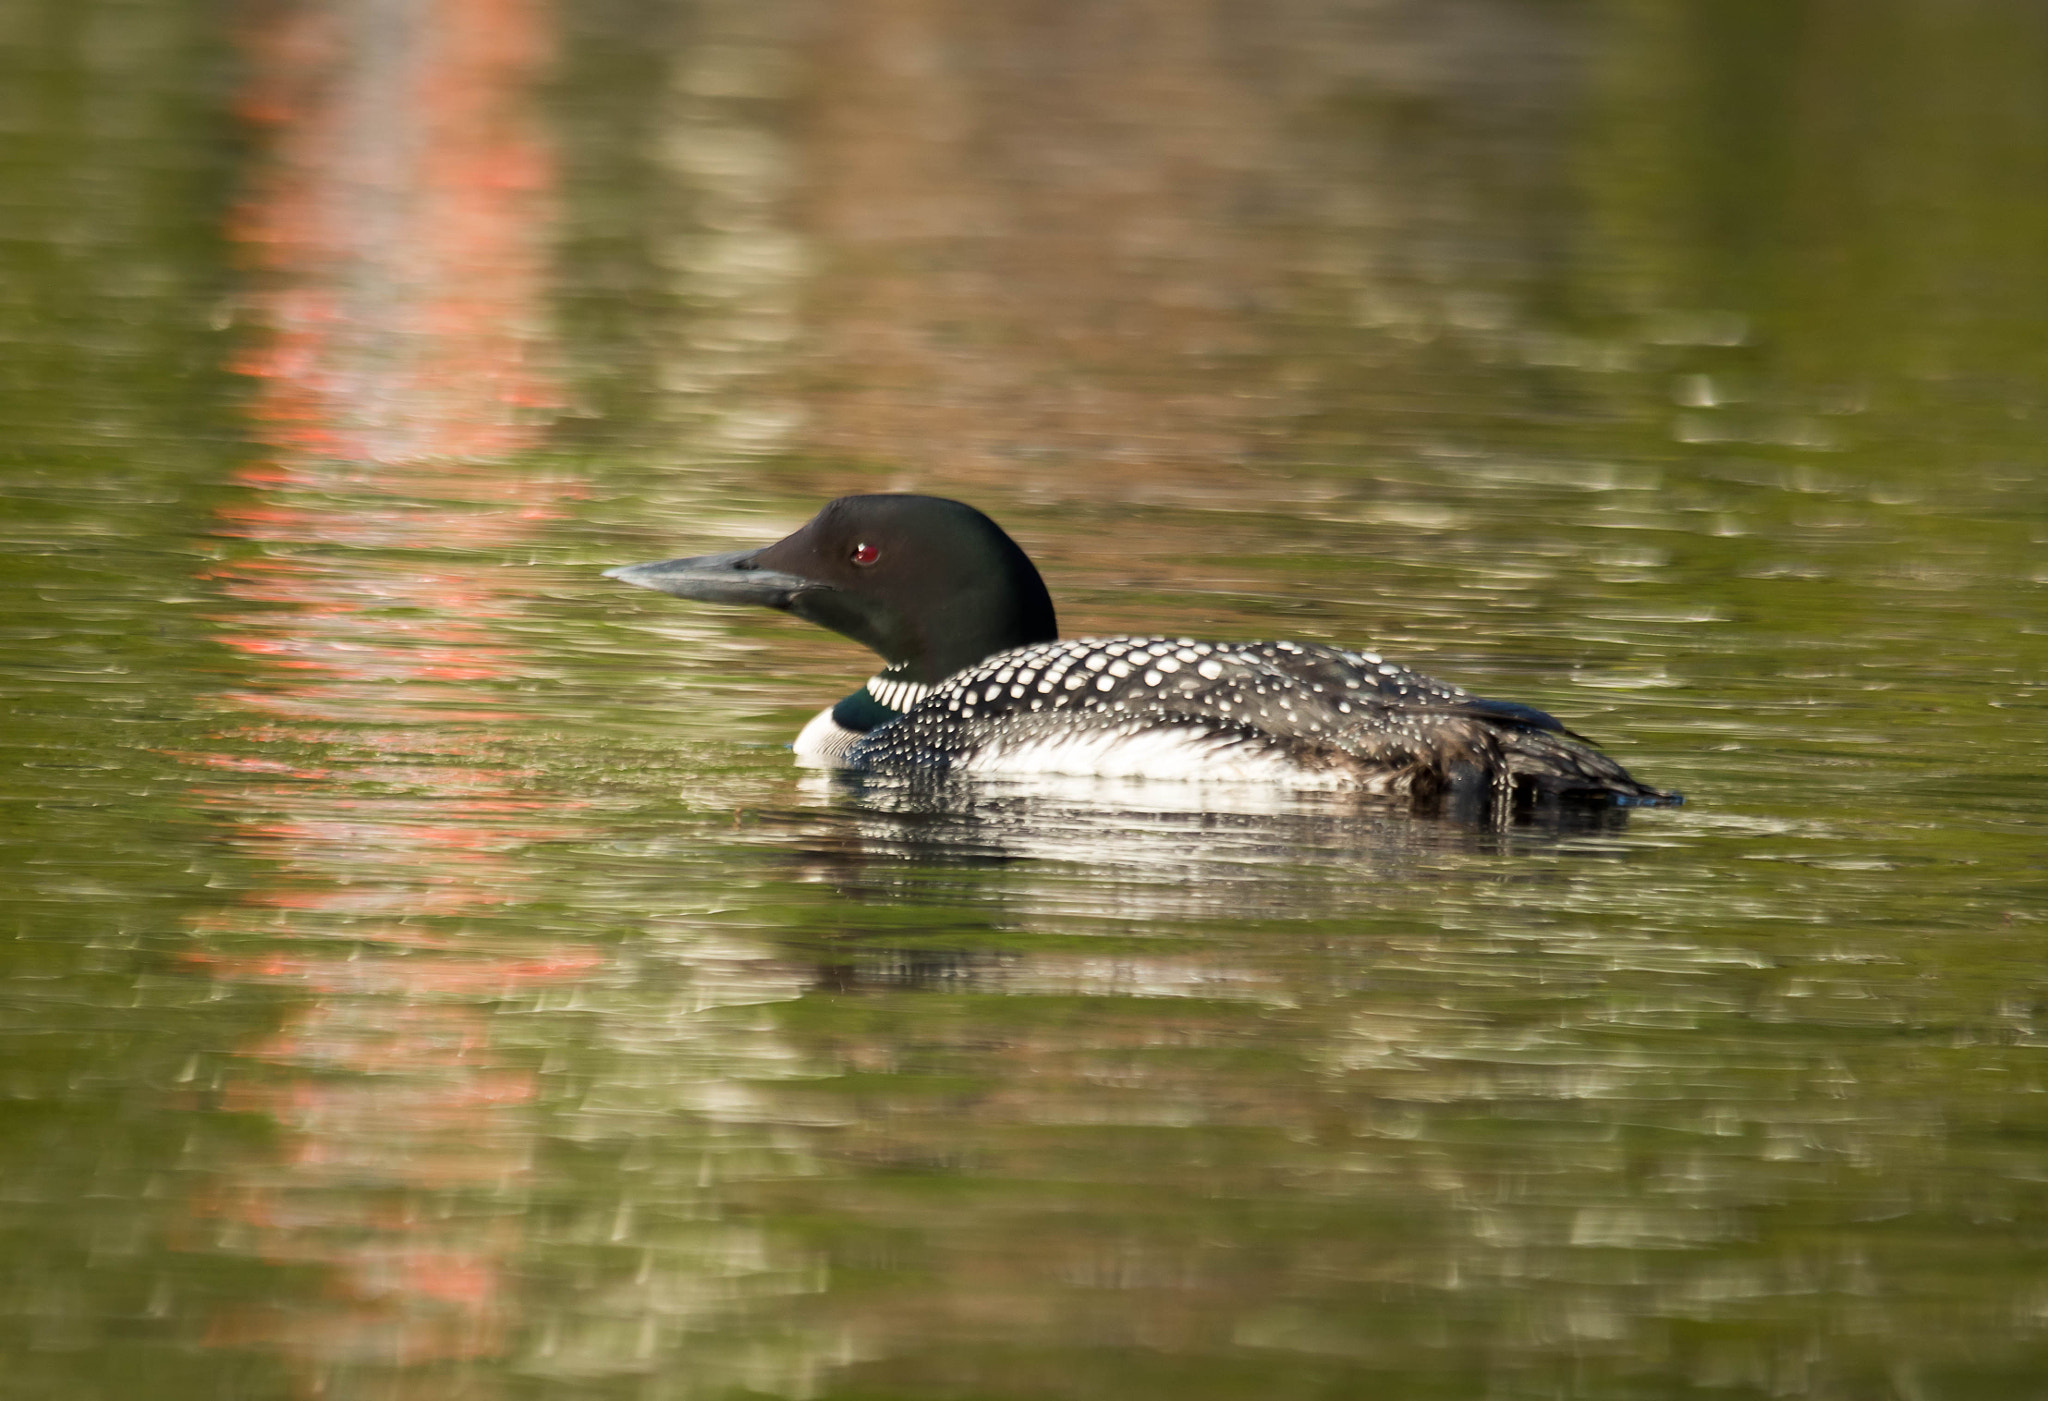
x,y
931,585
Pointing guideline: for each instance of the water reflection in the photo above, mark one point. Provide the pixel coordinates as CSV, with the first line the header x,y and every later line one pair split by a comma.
x,y
396,235
1190,847
421,1075
1163,239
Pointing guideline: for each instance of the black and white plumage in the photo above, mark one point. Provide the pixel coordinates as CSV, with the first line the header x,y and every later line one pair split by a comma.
x,y
980,683
1175,708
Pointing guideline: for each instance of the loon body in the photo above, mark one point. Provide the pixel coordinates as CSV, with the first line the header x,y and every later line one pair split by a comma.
x,y
979,680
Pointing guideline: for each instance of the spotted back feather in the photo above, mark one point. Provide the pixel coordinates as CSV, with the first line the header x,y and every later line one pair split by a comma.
x,y
1324,715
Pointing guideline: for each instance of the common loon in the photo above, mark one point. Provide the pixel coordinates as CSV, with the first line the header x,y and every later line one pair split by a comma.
x,y
978,679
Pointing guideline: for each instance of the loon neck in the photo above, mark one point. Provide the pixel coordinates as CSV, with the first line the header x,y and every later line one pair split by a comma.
x,y
896,691
885,696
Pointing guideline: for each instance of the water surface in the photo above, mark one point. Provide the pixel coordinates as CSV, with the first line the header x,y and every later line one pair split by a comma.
x,y
430,977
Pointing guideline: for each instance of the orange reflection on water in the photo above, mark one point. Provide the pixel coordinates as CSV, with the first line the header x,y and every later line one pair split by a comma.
x,y
395,245
393,231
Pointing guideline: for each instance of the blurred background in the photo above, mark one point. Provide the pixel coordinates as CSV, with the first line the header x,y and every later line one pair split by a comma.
x,y
423,973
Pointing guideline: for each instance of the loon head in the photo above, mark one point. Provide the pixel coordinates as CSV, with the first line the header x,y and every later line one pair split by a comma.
x,y
929,584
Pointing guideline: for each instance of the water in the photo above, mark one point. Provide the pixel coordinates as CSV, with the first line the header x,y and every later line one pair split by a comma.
x,y
427,975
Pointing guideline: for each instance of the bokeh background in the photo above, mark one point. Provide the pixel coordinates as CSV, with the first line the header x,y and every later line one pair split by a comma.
x,y
423,973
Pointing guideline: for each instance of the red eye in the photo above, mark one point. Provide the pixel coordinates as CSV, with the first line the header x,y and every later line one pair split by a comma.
x,y
865,554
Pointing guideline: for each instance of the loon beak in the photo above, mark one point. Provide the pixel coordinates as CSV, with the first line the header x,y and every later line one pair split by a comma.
x,y
731,578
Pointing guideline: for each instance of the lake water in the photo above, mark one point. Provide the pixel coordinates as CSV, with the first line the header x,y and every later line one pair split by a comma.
x,y
428,976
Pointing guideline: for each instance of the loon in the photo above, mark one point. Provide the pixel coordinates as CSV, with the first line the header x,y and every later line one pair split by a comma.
x,y
978,679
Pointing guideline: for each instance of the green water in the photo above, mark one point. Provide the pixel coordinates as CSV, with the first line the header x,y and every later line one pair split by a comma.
x,y
427,976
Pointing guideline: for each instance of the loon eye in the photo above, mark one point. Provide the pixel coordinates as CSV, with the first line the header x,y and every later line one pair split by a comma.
x,y
865,554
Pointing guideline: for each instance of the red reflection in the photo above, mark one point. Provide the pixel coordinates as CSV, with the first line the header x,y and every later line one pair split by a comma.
x,y
398,220
395,248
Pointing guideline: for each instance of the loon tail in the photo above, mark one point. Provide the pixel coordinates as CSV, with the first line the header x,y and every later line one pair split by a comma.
x,y
1488,753
1545,763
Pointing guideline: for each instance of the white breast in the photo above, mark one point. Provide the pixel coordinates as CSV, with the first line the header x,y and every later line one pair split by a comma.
x,y
1175,754
824,742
